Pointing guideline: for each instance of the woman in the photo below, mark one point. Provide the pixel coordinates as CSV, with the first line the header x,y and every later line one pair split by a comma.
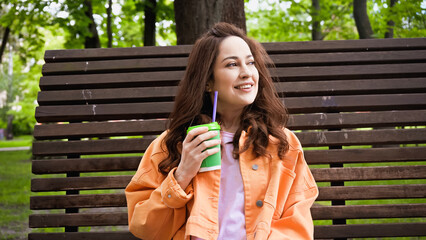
x,y
264,189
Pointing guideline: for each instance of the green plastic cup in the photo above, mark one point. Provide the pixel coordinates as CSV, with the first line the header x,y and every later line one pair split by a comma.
x,y
212,162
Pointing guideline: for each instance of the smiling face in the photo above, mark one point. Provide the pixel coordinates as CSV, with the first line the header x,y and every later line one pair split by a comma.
x,y
235,75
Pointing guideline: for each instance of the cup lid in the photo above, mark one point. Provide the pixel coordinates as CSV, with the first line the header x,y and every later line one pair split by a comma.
x,y
211,126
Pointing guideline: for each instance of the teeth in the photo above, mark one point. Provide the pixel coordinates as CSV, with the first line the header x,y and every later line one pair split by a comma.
x,y
244,86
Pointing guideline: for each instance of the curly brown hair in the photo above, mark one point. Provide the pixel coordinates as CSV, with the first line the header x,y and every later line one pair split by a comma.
x,y
265,117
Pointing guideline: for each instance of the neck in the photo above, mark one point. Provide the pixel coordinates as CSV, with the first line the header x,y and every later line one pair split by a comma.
x,y
230,120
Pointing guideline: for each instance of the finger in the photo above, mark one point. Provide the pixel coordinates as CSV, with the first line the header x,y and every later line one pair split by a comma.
x,y
208,144
203,137
209,152
194,133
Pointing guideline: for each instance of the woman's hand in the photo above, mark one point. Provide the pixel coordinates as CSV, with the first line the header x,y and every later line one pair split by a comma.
x,y
194,151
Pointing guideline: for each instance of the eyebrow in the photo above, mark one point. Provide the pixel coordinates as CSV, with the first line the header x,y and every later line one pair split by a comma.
x,y
235,57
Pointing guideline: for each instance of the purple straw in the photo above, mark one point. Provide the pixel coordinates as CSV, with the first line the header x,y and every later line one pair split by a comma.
x,y
214,106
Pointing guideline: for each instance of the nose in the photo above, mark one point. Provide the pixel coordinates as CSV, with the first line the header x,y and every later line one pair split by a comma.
x,y
245,72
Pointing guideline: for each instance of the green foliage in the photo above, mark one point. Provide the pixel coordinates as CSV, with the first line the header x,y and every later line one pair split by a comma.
x,y
275,20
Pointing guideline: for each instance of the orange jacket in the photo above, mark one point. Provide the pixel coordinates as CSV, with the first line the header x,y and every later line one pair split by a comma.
x,y
278,197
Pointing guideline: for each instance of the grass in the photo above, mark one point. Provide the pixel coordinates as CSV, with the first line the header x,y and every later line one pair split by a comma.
x,y
20,141
15,178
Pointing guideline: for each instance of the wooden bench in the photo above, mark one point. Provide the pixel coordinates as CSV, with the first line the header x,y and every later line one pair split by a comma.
x,y
358,107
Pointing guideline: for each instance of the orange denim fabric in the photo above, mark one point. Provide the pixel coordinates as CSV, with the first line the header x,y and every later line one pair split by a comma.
x,y
278,197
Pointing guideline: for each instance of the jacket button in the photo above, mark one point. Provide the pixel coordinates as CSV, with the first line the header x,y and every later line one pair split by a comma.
x,y
259,203
254,167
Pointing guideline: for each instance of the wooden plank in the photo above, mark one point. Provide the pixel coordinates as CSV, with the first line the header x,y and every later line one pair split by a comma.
x,y
289,89
350,72
271,48
124,65
108,80
91,96
369,173
115,235
51,166
368,137
296,122
308,139
77,201
91,219
80,183
372,192
370,230
368,211
62,148
356,120
339,58
78,219
351,87
99,112
365,155
118,182
116,53
179,63
355,103
100,129
345,46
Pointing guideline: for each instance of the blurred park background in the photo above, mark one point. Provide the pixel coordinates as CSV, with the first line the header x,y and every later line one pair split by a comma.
x,y
30,27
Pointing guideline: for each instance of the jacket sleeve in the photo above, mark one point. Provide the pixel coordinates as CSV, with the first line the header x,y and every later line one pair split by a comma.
x,y
156,204
296,220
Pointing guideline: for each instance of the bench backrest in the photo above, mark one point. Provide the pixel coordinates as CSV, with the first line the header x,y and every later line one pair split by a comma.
x,y
358,107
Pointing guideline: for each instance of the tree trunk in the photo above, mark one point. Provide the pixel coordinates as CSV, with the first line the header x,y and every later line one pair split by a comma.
x,y
150,18
194,17
109,30
316,25
233,12
9,129
391,23
4,42
91,41
361,19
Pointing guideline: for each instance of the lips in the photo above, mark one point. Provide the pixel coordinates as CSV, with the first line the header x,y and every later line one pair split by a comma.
x,y
244,86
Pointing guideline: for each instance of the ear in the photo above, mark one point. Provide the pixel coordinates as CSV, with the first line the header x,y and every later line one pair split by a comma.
x,y
208,87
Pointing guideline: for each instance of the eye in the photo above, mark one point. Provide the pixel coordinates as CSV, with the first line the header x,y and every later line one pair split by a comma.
x,y
252,62
232,64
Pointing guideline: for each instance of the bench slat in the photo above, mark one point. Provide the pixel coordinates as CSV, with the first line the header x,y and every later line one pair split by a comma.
x,y
370,230
350,72
318,213
365,155
320,232
179,63
78,219
296,122
79,183
78,201
308,139
98,112
107,80
118,182
115,235
369,173
289,89
372,192
369,155
271,48
85,165
368,211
